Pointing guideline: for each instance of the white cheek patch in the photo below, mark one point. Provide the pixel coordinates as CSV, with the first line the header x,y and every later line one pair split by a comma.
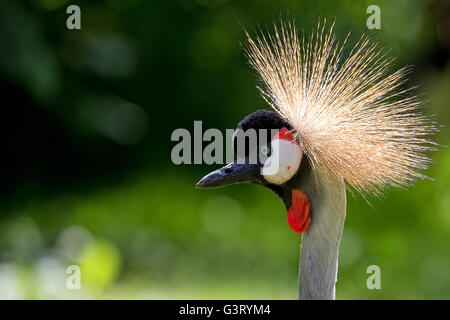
x,y
284,162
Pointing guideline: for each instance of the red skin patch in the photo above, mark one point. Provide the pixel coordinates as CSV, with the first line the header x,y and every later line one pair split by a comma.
x,y
298,215
285,134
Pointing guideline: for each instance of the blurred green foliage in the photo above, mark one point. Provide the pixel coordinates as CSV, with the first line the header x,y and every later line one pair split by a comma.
x,y
88,179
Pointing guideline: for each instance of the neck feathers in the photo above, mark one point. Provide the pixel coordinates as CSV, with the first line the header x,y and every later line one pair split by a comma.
x,y
320,243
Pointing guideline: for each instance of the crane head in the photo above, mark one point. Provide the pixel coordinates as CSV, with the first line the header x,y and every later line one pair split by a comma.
x,y
272,159
347,113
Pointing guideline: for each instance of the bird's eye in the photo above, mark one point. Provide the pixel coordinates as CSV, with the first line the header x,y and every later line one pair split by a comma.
x,y
266,151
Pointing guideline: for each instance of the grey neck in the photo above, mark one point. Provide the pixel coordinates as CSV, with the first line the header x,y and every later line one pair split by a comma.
x,y
320,243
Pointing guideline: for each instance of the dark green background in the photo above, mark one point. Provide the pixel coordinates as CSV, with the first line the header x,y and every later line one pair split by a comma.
x,y
86,172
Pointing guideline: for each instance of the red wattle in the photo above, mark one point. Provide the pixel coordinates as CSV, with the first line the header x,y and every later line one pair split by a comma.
x,y
298,215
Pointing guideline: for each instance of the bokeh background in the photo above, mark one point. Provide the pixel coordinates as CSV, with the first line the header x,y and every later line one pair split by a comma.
x,y
86,174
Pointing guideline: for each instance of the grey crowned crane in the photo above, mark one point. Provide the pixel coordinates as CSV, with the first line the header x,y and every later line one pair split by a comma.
x,y
343,122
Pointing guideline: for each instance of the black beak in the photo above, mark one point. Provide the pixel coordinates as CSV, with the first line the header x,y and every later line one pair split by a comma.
x,y
230,174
